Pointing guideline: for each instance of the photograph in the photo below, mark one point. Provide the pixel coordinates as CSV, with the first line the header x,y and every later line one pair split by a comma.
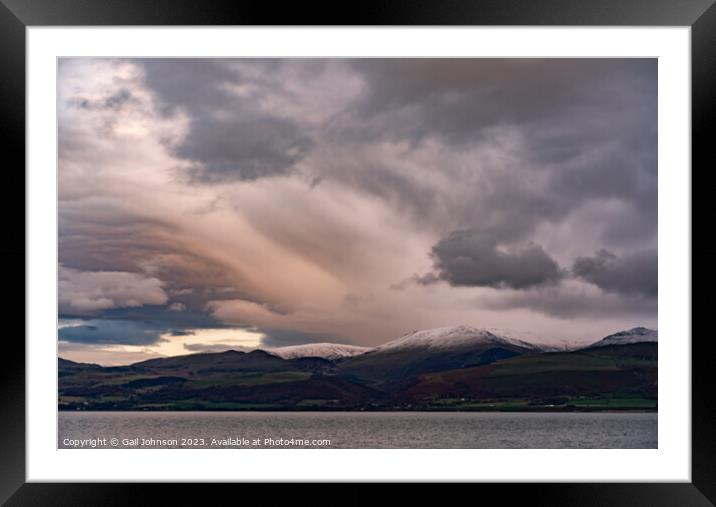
x,y
419,244
357,253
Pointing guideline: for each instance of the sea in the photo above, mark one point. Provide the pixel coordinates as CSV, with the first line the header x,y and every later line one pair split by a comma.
x,y
357,430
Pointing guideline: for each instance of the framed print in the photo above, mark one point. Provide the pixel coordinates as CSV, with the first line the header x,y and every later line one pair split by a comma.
x,y
402,247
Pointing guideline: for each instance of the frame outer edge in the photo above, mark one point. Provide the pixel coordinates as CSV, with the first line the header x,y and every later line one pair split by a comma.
x,y
703,121
12,103
380,12
12,251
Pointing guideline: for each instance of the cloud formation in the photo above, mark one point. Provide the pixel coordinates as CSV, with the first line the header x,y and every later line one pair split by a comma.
x,y
469,258
287,197
575,301
221,144
104,331
90,291
636,273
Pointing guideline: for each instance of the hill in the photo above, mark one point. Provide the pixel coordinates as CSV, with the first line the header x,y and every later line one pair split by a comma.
x,y
228,380
397,362
634,335
329,351
457,368
608,377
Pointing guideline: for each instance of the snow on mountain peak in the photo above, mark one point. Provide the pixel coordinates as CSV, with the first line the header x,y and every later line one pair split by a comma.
x,y
328,351
447,337
450,337
634,335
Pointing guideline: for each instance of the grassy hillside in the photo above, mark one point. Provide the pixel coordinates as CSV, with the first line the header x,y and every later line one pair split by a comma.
x,y
392,368
615,377
230,380
601,378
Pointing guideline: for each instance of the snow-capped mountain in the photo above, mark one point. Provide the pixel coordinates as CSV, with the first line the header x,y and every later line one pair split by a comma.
x,y
328,351
634,335
519,337
431,350
451,337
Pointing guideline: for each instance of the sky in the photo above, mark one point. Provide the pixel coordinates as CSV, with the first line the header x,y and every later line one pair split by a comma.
x,y
207,204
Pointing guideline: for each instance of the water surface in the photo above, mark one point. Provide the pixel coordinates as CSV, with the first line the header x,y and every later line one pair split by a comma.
x,y
358,430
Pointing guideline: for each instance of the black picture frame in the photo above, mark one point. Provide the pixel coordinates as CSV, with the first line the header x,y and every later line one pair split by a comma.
x,y
16,15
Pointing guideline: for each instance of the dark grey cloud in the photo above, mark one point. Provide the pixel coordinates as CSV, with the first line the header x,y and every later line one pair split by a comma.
x,y
163,317
470,258
135,326
187,82
573,302
635,273
603,172
112,102
181,332
231,137
104,331
618,170
457,98
246,147
142,325
581,131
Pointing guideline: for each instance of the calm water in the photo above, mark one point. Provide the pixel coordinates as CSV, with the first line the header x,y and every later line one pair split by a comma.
x,y
461,430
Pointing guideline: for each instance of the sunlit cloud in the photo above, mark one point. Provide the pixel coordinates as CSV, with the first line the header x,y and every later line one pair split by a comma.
x,y
168,344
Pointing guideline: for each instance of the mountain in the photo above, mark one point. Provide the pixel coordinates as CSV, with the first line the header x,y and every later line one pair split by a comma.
x,y
445,338
230,380
608,377
66,364
208,362
329,351
634,335
419,352
67,367
452,368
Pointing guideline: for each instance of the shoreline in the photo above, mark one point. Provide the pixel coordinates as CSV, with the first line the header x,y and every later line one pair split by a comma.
x,y
288,410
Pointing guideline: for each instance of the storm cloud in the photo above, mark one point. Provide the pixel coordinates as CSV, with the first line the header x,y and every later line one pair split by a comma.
x,y
636,273
230,136
139,325
457,99
104,331
285,200
468,258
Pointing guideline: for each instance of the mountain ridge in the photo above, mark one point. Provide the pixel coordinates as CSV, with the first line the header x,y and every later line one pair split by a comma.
x,y
453,336
634,335
432,338
324,350
456,368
